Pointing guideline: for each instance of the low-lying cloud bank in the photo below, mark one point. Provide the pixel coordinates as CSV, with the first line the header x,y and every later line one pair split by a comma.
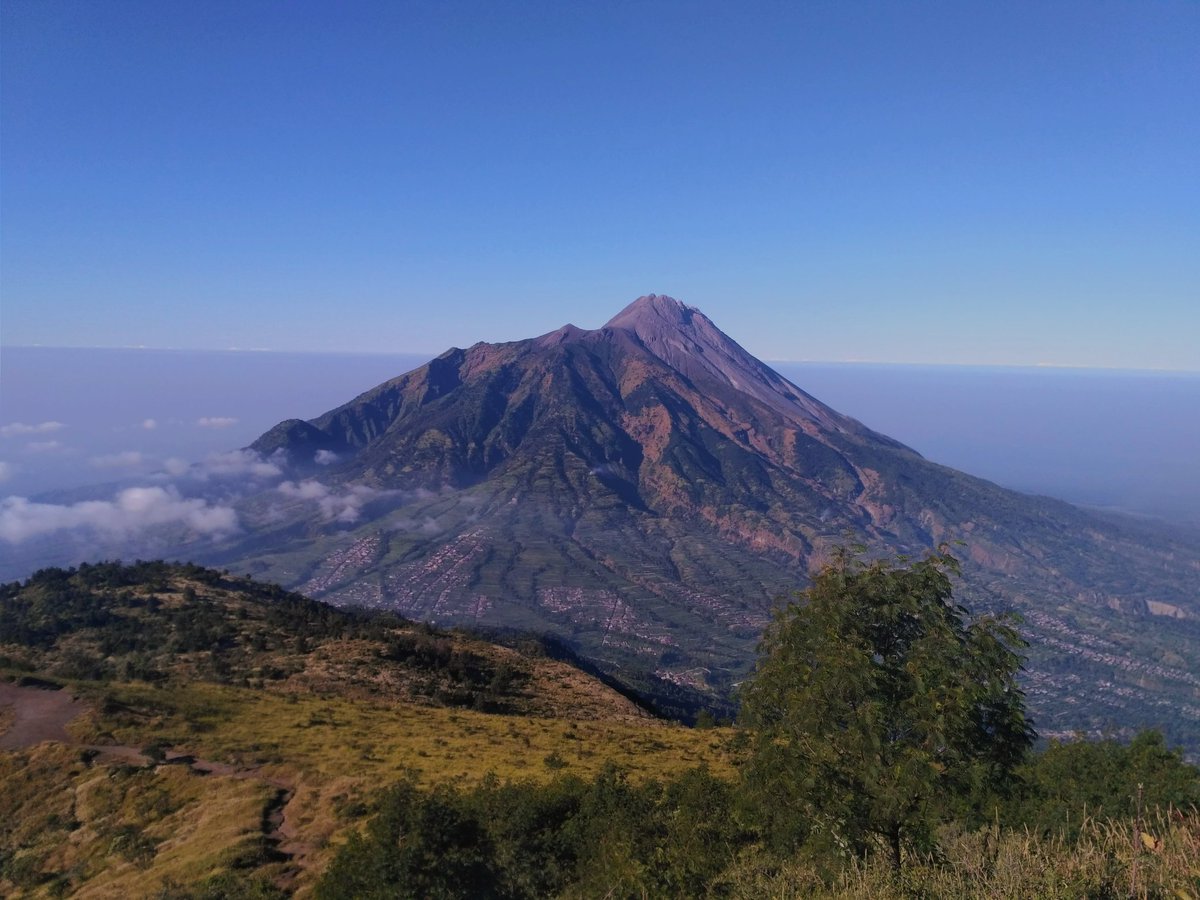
x,y
20,428
235,464
244,464
132,511
344,506
180,508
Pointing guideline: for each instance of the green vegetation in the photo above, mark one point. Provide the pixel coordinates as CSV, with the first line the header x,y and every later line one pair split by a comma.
x,y
886,754
877,710
1062,787
175,623
604,837
694,836
307,751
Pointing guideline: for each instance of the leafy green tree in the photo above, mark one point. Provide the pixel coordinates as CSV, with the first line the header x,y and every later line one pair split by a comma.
x,y
877,709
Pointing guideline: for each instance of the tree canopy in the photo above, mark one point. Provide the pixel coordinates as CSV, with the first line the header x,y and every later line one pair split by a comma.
x,y
878,707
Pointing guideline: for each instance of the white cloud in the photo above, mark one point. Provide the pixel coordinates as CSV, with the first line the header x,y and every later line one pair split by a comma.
x,y
16,428
176,466
117,460
149,424
234,464
6,471
325,458
42,446
305,490
238,462
335,507
131,511
216,421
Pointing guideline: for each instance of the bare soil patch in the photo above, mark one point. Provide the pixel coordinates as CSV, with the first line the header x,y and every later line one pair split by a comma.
x,y
35,715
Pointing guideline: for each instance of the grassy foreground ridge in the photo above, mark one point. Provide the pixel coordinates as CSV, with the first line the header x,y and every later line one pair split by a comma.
x,y
234,740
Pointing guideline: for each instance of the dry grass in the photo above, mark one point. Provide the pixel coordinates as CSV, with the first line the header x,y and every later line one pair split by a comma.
x,y
1110,859
115,831
337,752
327,737
441,668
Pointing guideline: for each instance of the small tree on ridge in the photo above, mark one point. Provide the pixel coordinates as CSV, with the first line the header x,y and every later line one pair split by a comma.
x,y
876,707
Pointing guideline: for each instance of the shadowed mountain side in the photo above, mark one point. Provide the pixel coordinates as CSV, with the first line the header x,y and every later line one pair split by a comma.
x,y
648,488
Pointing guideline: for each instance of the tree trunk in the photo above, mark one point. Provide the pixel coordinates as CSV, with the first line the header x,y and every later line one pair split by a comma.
x,y
894,843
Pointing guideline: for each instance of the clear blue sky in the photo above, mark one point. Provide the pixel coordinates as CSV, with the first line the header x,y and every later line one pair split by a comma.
x,y
970,182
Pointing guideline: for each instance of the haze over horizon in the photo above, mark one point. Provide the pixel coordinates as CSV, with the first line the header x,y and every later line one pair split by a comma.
x,y
424,355
933,183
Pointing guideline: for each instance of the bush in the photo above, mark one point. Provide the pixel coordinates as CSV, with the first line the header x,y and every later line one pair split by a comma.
x,y
1101,779
603,837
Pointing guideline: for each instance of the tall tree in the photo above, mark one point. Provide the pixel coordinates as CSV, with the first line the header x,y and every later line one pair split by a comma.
x,y
877,707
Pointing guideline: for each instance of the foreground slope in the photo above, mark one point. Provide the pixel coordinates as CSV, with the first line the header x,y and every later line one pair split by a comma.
x,y
225,770
225,733
648,488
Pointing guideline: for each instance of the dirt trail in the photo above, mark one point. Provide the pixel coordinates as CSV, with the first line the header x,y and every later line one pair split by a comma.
x,y
38,715
42,714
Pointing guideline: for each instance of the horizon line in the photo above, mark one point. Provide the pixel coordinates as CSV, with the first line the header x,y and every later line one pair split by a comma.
x,y
1082,367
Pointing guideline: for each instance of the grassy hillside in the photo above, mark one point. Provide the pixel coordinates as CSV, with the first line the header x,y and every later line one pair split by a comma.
x,y
231,740
231,730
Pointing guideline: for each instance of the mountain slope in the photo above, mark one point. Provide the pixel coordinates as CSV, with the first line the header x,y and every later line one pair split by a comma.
x,y
646,489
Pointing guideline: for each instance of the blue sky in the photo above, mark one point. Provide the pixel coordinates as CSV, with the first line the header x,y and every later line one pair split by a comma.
x,y
954,182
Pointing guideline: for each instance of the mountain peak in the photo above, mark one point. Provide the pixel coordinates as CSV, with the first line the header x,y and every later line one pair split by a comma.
x,y
651,313
687,340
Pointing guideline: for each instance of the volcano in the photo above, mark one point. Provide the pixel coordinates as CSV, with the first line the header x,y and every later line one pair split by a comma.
x,y
647,490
